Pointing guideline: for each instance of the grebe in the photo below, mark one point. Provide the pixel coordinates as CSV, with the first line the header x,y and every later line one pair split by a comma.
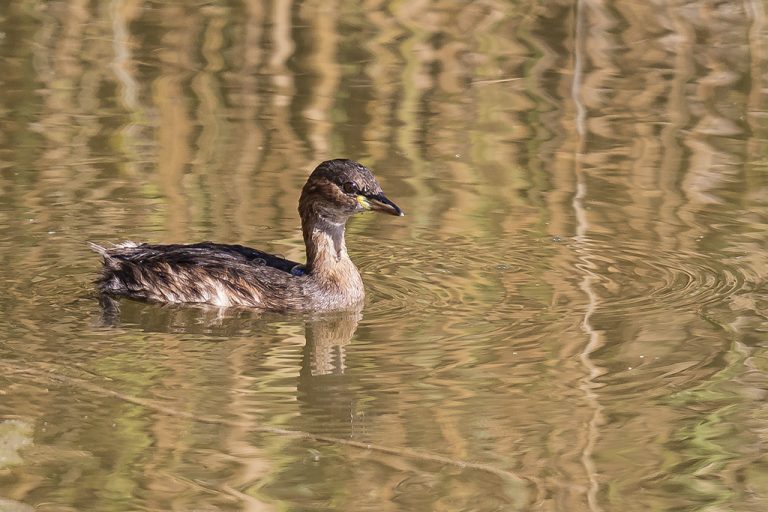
x,y
233,275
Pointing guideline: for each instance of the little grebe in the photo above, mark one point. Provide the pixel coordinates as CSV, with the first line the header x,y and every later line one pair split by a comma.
x,y
233,275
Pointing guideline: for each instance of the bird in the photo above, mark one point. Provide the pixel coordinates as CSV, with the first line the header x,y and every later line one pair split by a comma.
x,y
229,275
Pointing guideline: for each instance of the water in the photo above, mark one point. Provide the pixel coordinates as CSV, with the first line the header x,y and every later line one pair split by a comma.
x,y
572,315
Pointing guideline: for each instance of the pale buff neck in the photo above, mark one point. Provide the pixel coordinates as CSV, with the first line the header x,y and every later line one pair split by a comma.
x,y
328,264
326,248
327,255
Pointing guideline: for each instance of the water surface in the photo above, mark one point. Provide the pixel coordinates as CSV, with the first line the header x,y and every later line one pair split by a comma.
x,y
572,315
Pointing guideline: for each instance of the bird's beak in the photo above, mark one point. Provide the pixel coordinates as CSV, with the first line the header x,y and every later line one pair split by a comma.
x,y
379,203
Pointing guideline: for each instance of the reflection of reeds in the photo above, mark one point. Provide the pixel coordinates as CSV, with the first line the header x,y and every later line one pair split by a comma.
x,y
173,122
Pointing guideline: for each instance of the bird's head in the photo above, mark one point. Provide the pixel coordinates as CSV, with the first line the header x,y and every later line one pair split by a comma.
x,y
338,189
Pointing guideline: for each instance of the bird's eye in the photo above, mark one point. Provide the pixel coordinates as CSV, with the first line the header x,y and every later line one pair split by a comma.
x,y
349,188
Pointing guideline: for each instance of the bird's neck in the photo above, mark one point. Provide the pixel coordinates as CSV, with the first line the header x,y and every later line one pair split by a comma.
x,y
327,257
325,244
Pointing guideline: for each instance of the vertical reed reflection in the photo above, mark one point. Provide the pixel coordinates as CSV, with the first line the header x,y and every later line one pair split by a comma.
x,y
608,126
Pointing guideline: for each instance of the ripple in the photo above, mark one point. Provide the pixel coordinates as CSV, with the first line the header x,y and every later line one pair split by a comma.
x,y
637,278
463,277
513,277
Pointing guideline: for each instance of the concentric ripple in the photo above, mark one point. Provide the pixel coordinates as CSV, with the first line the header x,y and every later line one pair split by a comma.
x,y
457,276
640,277
465,276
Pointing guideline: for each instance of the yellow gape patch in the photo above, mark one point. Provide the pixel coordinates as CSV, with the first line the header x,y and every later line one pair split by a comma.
x,y
362,201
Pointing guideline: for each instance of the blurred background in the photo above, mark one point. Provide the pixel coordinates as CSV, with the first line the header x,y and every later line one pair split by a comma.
x,y
571,316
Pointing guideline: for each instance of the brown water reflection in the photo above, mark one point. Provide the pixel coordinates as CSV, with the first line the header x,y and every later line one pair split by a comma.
x,y
572,317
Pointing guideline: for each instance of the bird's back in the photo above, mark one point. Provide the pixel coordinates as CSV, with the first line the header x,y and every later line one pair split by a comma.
x,y
218,274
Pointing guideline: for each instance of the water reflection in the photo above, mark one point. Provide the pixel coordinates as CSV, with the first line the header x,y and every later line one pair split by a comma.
x,y
326,395
576,303
326,335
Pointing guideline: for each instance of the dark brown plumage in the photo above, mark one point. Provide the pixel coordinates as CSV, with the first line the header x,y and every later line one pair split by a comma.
x,y
233,275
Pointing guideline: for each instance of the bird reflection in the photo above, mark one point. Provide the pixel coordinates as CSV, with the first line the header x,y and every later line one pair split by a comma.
x,y
328,396
327,334
327,338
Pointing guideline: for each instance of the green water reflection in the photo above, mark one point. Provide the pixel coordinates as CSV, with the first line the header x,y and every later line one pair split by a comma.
x,y
571,316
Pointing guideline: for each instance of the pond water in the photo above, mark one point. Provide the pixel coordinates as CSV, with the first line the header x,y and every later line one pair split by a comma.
x,y
570,317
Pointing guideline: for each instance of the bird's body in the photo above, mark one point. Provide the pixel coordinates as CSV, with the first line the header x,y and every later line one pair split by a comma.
x,y
234,275
208,273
